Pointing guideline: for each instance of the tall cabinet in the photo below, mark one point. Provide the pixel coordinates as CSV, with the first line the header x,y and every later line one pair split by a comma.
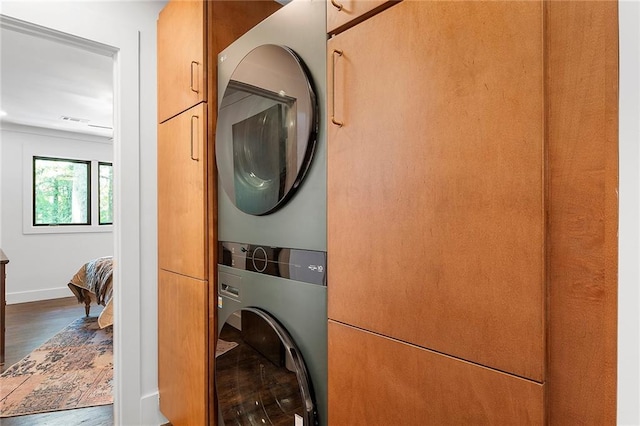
x,y
190,36
450,123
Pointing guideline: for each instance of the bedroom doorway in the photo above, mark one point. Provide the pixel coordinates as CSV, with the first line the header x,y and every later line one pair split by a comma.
x,y
58,102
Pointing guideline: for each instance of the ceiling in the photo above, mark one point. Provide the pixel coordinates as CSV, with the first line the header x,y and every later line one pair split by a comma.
x,y
51,84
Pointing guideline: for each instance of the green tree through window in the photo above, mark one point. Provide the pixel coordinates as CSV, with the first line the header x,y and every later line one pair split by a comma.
x,y
105,193
61,191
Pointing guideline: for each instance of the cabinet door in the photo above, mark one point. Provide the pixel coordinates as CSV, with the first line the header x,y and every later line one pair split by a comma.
x,y
182,349
374,380
181,57
343,12
435,180
182,193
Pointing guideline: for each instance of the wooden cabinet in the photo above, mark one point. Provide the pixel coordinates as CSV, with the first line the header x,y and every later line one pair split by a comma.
x,y
181,43
183,341
182,195
342,13
582,141
472,214
183,216
183,278
375,380
190,36
3,262
436,194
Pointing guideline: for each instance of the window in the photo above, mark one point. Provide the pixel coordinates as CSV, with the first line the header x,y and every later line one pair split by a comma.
x,y
105,193
71,193
61,191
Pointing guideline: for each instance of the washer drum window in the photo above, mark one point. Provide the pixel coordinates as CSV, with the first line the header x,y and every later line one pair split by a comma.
x,y
261,378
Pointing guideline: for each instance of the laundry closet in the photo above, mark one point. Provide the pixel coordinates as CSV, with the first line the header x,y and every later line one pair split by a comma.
x,y
471,160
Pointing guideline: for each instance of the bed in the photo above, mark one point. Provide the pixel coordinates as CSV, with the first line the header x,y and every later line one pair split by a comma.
x,y
94,283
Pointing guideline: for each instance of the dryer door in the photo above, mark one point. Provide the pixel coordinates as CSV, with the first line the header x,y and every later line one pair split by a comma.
x,y
261,378
266,130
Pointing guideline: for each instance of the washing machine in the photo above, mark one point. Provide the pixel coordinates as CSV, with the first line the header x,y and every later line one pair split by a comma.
x,y
271,356
271,361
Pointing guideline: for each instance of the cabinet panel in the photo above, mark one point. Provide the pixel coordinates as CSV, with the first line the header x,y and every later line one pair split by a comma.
x,y
374,380
182,349
182,215
181,43
343,12
435,180
582,70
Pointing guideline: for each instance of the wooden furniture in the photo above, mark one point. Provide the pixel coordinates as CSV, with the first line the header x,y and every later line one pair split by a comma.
x,y
182,215
183,332
490,234
182,279
459,201
182,44
182,243
582,241
190,36
401,384
3,262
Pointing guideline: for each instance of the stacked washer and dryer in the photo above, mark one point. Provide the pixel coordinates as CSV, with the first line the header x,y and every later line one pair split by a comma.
x,y
271,366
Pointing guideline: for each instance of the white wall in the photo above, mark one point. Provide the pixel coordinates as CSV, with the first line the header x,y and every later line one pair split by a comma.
x,y
42,264
130,27
629,231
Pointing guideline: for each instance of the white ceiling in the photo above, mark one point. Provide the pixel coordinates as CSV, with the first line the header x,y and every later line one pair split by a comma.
x,y
44,80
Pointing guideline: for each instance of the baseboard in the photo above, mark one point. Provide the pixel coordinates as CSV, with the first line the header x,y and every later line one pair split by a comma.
x,y
150,411
36,295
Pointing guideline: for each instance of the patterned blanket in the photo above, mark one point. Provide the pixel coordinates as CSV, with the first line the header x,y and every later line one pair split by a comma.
x,y
95,279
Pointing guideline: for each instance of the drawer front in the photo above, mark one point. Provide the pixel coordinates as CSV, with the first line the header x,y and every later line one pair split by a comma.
x,y
374,380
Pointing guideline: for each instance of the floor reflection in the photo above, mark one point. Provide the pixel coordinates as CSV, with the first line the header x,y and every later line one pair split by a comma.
x,y
254,385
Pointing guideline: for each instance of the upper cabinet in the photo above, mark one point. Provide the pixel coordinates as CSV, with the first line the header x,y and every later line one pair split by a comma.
x,y
342,13
181,43
435,180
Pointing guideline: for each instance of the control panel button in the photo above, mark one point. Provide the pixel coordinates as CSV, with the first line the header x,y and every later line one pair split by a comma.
x,y
260,260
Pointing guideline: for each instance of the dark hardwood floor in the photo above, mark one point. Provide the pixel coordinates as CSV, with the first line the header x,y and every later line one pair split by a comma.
x,y
28,326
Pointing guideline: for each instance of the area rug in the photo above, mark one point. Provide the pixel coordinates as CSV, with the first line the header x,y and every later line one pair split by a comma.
x,y
223,347
73,369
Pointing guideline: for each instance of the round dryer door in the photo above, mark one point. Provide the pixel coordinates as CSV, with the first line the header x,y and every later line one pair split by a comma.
x,y
266,129
261,378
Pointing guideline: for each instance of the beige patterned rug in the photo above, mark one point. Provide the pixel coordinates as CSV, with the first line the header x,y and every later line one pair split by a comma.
x,y
73,369
223,347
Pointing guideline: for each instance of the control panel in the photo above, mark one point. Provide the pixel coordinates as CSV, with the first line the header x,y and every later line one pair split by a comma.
x,y
300,265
